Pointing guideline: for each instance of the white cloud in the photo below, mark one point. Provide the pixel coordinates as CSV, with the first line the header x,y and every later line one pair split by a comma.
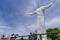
x,y
25,29
4,29
53,23
32,27
21,30
3,24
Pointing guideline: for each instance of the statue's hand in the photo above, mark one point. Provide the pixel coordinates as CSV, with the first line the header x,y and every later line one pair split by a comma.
x,y
29,14
33,13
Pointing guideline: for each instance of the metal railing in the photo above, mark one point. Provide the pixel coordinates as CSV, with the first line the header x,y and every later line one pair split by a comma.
x,y
26,37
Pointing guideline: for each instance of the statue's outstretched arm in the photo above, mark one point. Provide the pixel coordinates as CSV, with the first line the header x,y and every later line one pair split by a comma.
x,y
49,5
32,13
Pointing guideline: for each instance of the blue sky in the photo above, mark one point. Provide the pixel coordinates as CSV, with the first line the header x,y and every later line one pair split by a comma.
x,y
14,18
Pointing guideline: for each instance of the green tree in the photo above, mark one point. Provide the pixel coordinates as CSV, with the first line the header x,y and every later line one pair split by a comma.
x,y
51,33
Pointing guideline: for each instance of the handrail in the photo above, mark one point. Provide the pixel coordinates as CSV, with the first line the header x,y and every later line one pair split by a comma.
x,y
41,34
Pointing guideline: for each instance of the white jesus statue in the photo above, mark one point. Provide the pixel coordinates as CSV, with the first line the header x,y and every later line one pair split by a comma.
x,y
41,29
